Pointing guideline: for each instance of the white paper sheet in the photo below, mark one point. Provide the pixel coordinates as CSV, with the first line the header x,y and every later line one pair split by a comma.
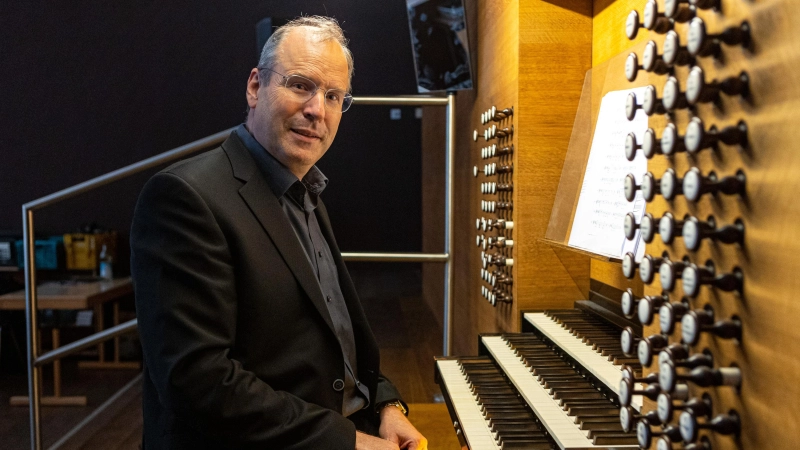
x,y
599,218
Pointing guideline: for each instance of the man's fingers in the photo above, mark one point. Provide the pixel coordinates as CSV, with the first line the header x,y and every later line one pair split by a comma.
x,y
415,444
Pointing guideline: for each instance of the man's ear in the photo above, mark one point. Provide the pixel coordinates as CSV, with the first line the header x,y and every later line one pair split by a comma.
x,y
253,84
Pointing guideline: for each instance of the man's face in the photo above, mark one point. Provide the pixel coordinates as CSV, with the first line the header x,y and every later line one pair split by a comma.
x,y
297,133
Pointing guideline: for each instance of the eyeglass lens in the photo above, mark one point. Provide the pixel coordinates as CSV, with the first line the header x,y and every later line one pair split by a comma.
x,y
303,88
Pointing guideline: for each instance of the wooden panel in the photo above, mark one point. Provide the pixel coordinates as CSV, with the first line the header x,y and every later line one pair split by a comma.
x,y
769,258
610,273
608,32
555,53
532,56
544,83
498,80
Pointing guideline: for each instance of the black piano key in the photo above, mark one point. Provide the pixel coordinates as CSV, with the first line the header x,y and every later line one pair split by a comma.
x,y
616,439
600,410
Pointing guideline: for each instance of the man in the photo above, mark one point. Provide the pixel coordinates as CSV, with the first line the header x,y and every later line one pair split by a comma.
x,y
252,331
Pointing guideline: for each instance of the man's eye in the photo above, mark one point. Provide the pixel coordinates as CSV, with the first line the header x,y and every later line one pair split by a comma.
x,y
334,97
300,86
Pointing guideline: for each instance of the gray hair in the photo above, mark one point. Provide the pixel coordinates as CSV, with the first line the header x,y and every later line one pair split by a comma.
x,y
327,29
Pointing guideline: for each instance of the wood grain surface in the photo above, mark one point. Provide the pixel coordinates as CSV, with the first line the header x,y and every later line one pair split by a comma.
x,y
769,257
533,55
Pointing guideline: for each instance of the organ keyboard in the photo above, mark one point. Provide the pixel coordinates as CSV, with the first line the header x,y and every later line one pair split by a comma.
x,y
488,412
565,377
598,352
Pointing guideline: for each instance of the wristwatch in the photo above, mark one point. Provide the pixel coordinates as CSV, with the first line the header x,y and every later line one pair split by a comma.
x,y
395,403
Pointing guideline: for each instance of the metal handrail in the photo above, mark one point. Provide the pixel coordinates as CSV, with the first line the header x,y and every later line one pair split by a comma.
x,y
399,257
88,341
35,361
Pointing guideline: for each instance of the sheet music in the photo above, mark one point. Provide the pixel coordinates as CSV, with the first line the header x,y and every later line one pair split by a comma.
x,y
598,223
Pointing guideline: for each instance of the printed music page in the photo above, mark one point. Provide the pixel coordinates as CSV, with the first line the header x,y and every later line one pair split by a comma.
x,y
598,226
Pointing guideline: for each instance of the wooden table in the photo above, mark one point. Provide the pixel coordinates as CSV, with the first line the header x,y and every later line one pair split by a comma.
x,y
75,295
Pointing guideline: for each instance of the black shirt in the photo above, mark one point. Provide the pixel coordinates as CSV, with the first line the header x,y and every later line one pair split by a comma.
x,y
298,198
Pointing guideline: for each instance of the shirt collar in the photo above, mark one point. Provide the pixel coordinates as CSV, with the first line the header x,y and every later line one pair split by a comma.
x,y
279,177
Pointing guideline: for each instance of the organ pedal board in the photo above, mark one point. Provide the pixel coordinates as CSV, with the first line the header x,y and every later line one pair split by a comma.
x,y
556,387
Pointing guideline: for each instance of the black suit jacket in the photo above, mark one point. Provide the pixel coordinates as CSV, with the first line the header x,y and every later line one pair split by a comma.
x,y
239,348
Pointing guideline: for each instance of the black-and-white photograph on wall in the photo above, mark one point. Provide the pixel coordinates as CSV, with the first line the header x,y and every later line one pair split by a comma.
x,y
441,48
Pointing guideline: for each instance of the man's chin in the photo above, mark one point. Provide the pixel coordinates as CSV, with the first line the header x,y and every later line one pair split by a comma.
x,y
303,155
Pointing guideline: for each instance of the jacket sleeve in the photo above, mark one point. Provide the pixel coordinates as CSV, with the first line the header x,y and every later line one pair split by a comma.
x,y
186,304
386,391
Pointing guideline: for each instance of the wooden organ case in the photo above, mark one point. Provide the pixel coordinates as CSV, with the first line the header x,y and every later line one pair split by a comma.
x,y
735,248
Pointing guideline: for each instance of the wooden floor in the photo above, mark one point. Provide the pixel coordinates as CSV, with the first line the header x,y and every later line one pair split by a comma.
x,y
405,329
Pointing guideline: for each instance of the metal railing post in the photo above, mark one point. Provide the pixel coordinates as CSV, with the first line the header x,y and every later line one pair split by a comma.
x,y
32,328
449,247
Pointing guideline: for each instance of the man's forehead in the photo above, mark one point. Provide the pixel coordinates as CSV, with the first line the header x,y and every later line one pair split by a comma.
x,y
304,49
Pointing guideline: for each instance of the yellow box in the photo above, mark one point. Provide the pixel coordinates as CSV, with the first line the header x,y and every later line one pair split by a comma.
x,y
83,250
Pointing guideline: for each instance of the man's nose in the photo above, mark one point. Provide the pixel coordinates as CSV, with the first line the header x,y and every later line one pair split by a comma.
x,y
315,106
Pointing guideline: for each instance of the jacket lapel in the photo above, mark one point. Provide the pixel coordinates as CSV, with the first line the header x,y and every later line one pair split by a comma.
x,y
265,206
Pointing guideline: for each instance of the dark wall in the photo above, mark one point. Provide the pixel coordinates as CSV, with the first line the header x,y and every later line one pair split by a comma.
x,y
88,87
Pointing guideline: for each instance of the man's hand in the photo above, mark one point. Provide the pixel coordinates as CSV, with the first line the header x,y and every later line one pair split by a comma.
x,y
367,442
395,427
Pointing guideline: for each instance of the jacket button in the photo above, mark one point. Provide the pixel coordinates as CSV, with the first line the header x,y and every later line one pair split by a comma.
x,y
338,385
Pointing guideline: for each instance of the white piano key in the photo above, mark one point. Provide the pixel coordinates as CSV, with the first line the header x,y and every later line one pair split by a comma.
x,y
605,370
475,428
560,425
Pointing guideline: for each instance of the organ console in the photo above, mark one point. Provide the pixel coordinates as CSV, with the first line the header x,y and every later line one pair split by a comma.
x,y
647,348
645,434
705,4
684,333
651,62
494,133
669,272
649,226
628,417
647,307
669,228
569,371
651,104
694,277
679,10
499,242
669,314
627,391
497,249
697,138
632,25
632,66
702,321
722,424
671,143
701,376
498,260
631,187
630,226
631,145
654,20
696,185
629,265
666,407
691,362
698,91
649,267
650,187
674,53
674,99
700,43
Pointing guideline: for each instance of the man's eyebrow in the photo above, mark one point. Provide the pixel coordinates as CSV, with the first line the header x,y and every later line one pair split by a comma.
x,y
317,81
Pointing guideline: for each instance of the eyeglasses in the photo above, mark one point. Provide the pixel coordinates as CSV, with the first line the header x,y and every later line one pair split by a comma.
x,y
336,100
